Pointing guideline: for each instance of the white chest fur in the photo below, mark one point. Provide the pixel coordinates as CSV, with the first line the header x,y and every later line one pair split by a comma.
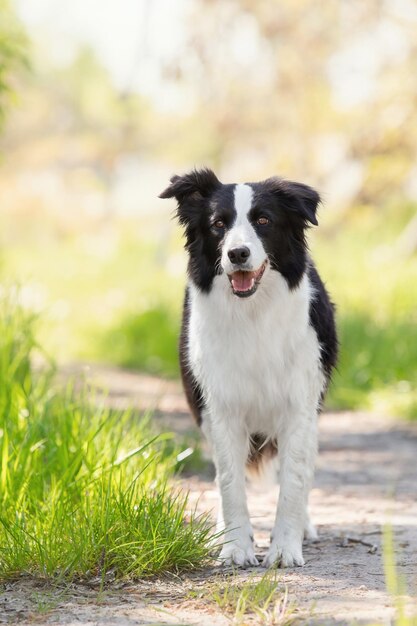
x,y
256,360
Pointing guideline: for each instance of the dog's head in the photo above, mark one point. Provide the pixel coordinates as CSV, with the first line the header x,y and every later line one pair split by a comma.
x,y
243,230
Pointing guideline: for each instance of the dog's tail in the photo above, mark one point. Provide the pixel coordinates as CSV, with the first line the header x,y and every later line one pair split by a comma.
x,y
262,463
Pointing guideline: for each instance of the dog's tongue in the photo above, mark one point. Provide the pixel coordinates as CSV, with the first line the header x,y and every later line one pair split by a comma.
x,y
242,281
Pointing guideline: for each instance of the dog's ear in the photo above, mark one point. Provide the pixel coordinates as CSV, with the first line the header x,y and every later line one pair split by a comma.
x,y
296,198
190,190
194,185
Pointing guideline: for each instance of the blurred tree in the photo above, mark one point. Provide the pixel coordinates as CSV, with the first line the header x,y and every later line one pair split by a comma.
x,y
312,89
13,54
260,73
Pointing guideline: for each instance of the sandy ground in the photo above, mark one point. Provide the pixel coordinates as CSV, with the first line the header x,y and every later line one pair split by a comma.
x,y
366,478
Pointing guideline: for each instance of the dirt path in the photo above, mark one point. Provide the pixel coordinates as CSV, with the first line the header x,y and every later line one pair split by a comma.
x,y
366,477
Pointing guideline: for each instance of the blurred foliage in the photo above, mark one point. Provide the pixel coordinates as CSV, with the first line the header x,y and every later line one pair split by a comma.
x,y
377,365
324,93
375,289
13,54
145,341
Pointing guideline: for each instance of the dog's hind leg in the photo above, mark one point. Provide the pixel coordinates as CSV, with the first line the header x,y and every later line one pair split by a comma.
x,y
310,531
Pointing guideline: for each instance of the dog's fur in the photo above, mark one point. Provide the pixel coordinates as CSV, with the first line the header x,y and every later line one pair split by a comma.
x,y
257,348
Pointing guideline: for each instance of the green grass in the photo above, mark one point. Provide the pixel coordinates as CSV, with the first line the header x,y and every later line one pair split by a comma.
x,y
378,363
262,599
84,490
146,341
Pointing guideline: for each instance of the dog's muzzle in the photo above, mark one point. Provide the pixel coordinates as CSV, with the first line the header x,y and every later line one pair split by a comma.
x,y
244,282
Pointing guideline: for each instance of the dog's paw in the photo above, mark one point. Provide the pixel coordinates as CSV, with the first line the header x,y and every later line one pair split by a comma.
x,y
236,553
280,555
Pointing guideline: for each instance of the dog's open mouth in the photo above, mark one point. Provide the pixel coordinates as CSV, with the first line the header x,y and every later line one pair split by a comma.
x,y
245,283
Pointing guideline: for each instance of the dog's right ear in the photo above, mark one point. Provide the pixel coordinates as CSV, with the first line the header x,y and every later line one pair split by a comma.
x,y
189,190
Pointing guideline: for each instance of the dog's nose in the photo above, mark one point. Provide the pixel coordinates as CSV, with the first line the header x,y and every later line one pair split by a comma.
x,y
239,255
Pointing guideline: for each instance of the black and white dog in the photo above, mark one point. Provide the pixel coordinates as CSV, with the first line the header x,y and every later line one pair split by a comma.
x,y
258,345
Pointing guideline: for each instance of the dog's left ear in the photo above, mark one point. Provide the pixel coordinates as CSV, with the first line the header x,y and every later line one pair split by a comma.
x,y
194,185
296,198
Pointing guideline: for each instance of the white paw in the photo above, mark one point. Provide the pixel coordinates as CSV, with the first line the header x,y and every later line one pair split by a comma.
x,y
284,555
310,532
238,553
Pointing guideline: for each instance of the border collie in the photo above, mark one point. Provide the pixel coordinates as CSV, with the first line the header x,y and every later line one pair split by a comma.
x,y
257,348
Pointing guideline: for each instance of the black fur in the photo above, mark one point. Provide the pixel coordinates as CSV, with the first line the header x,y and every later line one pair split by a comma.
x,y
322,320
290,207
193,192
191,388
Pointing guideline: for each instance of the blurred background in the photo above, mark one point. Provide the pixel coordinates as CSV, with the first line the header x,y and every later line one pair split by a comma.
x,y
101,101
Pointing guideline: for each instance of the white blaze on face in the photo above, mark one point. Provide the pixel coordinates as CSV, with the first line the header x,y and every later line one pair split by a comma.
x,y
242,232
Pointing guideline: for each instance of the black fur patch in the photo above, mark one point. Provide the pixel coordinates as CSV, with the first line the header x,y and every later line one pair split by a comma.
x,y
289,207
202,200
192,390
322,319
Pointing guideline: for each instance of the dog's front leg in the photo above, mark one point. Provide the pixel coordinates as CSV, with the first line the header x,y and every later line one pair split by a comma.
x,y
297,446
230,449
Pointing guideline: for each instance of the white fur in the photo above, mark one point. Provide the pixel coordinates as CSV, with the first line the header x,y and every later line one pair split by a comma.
x,y
257,361
242,233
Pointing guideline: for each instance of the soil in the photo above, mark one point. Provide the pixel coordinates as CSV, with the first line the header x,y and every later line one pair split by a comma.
x,y
366,479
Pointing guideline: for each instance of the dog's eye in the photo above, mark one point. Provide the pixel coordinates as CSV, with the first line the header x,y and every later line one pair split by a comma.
x,y
218,224
262,221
